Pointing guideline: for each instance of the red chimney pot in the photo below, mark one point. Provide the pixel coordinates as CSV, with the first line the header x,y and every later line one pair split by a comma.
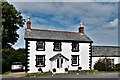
x,y
81,28
28,23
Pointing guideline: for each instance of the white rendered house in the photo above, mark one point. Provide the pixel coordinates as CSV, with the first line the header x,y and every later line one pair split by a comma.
x,y
48,49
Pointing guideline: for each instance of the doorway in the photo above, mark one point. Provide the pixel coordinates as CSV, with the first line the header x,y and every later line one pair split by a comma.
x,y
59,63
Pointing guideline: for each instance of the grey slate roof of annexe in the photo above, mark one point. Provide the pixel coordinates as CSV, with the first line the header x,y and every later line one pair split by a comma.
x,y
108,51
55,35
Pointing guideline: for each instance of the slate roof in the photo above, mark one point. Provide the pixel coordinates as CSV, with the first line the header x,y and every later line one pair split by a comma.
x,y
55,35
58,56
108,51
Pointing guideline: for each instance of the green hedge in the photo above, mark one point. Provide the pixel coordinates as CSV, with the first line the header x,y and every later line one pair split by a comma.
x,y
104,65
117,67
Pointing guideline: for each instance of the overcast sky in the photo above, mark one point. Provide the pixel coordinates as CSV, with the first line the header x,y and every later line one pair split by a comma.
x,y
100,19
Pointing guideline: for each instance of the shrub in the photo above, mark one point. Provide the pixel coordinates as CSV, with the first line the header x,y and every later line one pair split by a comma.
x,y
117,67
79,68
100,66
66,69
11,55
103,65
54,70
40,70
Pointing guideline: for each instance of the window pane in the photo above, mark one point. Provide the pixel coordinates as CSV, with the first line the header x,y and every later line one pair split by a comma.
x,y
40,59
75,46
57,45
75,60
40,45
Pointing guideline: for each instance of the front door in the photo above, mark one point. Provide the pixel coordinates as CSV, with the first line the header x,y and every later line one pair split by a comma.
x,y
59,63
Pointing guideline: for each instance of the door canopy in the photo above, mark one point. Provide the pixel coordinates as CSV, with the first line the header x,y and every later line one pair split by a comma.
x,y
58,56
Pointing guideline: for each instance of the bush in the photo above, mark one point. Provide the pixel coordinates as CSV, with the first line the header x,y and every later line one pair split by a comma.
x,y
11,55
100,66
54,70
79,68
66,69
117,67
104,65
40,70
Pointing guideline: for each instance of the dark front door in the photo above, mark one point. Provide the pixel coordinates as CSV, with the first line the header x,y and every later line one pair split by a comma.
x,y
59,63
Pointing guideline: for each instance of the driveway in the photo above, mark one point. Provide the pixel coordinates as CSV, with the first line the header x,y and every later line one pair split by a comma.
x,y
13,75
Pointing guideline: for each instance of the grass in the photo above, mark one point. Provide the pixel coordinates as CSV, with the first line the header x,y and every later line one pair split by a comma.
x,y
45,74
49,74
84,72
7,73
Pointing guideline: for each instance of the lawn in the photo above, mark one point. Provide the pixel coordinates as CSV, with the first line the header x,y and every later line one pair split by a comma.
x,y
49,74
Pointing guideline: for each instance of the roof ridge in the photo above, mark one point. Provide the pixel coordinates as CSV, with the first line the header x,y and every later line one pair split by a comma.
x,y
56,35
55,31
105,46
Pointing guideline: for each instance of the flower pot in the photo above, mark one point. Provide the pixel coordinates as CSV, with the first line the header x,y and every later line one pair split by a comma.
x,y
66,70
54,71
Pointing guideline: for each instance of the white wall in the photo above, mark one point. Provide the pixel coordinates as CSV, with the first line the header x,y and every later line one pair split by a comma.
x,y
94,59
66,51
84,55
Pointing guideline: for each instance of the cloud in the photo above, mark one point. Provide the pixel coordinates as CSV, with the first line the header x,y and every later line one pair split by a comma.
x,y
100,19
112,25
107,34
70,9
63,0
20,42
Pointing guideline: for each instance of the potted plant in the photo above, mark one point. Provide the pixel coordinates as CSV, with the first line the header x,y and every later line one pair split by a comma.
x,y
40,70
54,71
79,68
66,70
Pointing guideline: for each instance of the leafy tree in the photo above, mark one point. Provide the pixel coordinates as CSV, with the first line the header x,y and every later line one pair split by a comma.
x,y
11,55
11,21
104,65
100,65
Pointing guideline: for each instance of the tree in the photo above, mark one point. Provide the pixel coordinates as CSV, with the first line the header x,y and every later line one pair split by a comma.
x,y
104,64
100,65
11,21
11,55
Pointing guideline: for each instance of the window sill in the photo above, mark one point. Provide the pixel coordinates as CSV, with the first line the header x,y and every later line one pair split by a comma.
x,y
57,50
75,50
75,64
40,66
40,50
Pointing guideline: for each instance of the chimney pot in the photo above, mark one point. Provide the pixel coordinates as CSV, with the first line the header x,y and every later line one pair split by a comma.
x,y
28,23
81,28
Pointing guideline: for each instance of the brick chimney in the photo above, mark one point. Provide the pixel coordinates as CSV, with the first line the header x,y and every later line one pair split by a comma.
x,y
28,23
81,28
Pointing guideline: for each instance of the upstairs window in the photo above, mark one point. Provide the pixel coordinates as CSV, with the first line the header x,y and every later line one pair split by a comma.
x,y
75,60
40,60
40,46
75,47
57,46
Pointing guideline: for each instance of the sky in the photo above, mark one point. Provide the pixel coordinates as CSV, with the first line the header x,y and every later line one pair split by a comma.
x,y
100,18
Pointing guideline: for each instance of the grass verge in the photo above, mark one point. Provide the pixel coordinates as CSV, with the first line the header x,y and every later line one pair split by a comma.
x,y
7,73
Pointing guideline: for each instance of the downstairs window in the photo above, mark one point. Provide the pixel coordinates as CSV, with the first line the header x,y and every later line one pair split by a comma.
x,y
40,60
75,60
